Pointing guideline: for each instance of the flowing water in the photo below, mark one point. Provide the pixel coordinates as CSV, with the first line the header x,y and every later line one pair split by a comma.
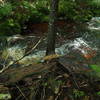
x,y
15,47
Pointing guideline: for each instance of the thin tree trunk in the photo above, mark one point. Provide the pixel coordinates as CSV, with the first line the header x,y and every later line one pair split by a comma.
x,y
51,36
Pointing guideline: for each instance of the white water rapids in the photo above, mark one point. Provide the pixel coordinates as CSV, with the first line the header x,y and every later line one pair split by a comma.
x,y
80,44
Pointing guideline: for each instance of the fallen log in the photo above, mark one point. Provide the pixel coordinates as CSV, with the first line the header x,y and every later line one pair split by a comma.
x,y
13,75
71,64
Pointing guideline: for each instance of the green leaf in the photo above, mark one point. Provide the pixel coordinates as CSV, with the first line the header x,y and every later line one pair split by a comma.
x,y
98,93
5,96
78,93
96,69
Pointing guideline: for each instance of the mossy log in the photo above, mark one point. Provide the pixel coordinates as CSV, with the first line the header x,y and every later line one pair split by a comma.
x,y
13,75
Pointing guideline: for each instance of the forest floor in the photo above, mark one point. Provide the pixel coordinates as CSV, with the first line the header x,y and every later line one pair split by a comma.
x,y
68,77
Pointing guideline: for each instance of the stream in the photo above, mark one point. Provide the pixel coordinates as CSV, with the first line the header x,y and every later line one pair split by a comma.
x,y
13,48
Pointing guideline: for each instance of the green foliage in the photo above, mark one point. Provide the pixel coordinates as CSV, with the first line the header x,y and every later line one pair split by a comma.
x,y
40,12
94,6
96,2
9,27
5,96
5,10
98,93
66,7
22,12
73,11
78,93
14,15
96,69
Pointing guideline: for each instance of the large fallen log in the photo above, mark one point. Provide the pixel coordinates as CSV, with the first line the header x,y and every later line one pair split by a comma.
x,y
13,75
73,65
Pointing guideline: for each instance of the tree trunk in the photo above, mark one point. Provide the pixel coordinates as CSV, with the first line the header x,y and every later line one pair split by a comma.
x,y
51,36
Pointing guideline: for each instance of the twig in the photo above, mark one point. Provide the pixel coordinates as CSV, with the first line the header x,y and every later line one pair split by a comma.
x,y
56,98
21,92
44,91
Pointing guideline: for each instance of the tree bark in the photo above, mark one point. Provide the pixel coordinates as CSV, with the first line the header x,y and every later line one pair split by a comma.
x,y
51,36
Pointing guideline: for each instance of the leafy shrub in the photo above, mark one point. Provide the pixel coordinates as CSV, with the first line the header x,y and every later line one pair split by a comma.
x,y
74,11
5,10
9,27
14,16
6,24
